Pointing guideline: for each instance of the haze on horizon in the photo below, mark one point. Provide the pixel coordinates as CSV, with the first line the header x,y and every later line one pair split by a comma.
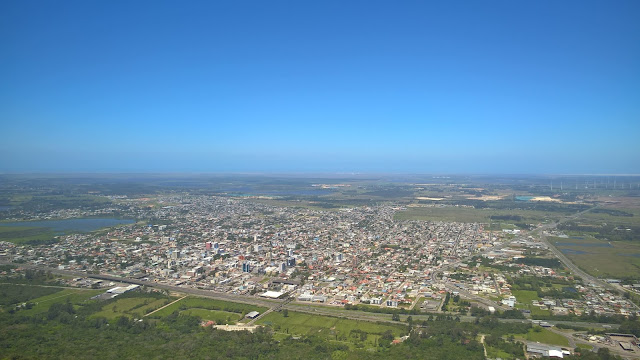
x,y
286,86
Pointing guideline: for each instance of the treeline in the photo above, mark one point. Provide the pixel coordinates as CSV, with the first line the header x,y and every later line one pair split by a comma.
x,y
612,212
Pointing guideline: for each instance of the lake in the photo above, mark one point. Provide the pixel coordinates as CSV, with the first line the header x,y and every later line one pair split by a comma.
x,y
524,198
65,225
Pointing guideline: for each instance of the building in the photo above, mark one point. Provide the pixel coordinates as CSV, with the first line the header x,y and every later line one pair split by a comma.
x,y
544,350
253,315
291,262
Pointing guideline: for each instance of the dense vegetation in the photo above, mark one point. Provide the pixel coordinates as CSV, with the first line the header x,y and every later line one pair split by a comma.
x,y
75,329
537,261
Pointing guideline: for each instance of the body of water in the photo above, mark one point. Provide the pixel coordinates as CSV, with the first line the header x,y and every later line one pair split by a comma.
x,y
66,225
524,198
6,208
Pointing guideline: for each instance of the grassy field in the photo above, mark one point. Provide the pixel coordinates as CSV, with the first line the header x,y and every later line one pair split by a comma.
x,y
13,294
601,258
331,328
208,304
544,336
600,217
220,317
74,296
25,235
131,307
525,297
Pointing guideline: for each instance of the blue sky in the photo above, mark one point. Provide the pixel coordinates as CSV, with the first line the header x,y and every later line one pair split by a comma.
x,y
322,86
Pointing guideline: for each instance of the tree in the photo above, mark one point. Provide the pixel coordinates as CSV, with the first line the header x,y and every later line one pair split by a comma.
x,y
395,317
410,320
285,313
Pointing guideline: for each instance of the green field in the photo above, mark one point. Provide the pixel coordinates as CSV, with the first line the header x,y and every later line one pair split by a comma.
x,y
601,258
208,304
131,307
25,235
525,297
12,294
220,317
75,296
545,336
331,328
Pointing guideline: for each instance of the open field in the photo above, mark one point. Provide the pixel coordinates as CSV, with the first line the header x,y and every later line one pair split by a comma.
x,y
25,235
74,296
220,317
524,298
618,216
331,328
131,307
538,334
208,304
602,258
13,294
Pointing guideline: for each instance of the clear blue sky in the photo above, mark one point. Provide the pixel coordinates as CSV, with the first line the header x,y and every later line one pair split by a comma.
x,y
320,86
